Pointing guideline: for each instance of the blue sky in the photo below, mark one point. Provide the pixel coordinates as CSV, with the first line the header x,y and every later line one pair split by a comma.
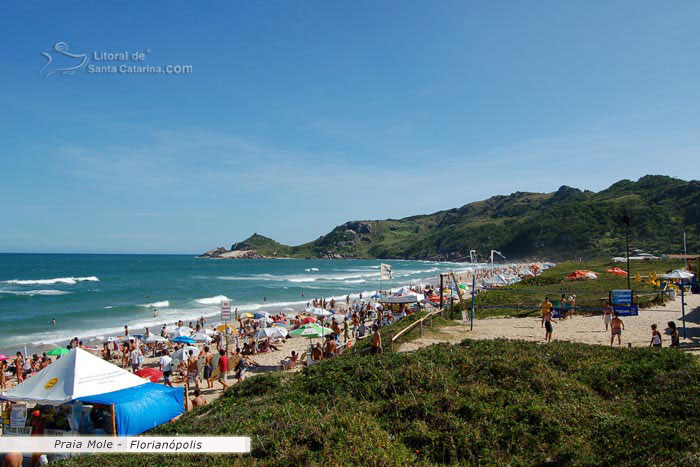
x,y
299,116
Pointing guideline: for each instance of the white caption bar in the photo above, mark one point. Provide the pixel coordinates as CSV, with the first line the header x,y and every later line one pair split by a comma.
x,y
175,444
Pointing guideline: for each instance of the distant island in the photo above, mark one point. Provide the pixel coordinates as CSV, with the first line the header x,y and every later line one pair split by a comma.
x,y
567,223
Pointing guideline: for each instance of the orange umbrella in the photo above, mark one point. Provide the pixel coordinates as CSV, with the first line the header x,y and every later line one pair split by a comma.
x,y
618,271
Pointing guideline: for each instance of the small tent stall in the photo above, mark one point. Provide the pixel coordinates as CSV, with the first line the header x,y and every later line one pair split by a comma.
x,y
136,405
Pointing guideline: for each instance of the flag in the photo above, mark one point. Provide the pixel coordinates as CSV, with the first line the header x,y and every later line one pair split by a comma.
x,y
385,272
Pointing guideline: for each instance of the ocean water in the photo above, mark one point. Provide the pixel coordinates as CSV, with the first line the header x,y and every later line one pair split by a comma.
x,y
95,295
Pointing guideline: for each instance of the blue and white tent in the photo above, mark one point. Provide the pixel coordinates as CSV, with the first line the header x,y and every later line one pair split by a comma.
x,y
81,376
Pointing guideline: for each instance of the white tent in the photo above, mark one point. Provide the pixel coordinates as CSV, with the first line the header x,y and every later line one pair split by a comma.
x,y
497,280
183,353
76,374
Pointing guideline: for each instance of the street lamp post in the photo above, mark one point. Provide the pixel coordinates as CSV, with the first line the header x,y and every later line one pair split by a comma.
x,y
626,220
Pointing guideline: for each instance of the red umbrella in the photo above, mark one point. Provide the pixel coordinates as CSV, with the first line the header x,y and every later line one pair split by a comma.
x,y
151,373
308,319
618,271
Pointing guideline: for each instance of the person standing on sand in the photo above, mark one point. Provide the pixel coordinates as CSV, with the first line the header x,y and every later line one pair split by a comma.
x,y
572,305
546,308
607,315
376,341
192,370
655,337
165,362
223,368
675,336
616,327
208,369
547,320
562,307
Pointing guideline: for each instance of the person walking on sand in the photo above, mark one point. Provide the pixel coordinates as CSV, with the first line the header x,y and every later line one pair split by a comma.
x,y
675,336
192,370
655,337
223,368
607,315
572,305
562,307
376,341
547,320
208,369
165,367
546,308
616,327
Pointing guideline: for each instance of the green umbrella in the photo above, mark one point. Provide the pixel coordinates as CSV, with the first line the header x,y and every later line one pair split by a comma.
x,y
311,330
58,351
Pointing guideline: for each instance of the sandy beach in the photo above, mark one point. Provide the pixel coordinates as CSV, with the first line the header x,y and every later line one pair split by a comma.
x,y
585,329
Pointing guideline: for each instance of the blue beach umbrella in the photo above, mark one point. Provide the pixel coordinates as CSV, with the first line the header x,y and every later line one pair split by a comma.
x,y
184,339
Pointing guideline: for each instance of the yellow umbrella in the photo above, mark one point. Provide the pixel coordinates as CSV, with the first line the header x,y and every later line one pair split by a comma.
x,y
223,326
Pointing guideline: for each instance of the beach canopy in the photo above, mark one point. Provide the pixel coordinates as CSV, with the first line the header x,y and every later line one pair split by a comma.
x,y
311,330
308,319
497,280
678,274
618,271
75,375
272,333
184,353
402,299
582,274
261,315
154,338
222,327
320,312
3,357
58,351
201,337
184,340
141,408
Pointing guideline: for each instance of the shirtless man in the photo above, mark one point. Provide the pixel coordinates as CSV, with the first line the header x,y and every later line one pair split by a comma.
x,y
192,370
616,327
316,352
546,308
376,341
547,320
198,400
208,369
330,346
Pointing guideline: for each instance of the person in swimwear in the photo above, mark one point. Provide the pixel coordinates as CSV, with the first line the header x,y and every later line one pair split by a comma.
x,y
616,327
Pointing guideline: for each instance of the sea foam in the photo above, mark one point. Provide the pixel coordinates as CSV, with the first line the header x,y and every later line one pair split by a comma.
x,y
58,280
211,300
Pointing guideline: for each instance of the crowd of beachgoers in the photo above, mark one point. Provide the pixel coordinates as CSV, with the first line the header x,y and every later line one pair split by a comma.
x,y
206,356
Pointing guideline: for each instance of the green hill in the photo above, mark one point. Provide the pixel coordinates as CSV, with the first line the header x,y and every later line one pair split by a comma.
x,y
481,402
563,224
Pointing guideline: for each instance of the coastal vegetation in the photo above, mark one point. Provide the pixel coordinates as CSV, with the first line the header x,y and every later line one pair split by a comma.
x,y
564,224
491,402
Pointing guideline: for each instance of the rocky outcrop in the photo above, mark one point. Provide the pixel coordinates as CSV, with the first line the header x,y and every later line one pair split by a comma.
x,y
214,253
223,253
